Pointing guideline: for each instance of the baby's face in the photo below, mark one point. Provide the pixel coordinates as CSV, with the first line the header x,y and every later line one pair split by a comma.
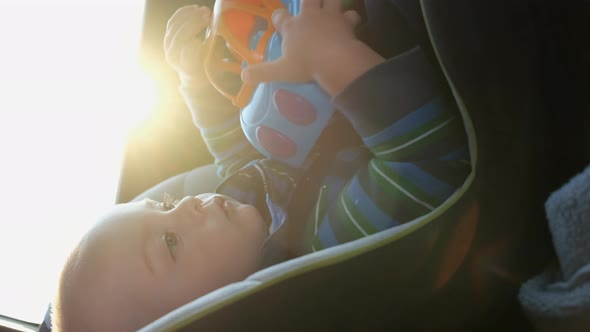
x,y
148,258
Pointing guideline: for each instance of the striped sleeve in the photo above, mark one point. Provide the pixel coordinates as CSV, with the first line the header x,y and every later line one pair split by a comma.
x,y
224,137
419,153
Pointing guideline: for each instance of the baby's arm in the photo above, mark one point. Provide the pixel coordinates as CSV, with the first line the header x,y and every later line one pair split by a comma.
x,y
418,144
419,151
213,114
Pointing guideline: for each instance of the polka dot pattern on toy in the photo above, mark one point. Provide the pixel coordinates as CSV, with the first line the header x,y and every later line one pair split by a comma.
x,y
276,143
294,107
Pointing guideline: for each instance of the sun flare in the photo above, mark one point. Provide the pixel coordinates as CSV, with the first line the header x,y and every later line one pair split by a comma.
x,y
71,89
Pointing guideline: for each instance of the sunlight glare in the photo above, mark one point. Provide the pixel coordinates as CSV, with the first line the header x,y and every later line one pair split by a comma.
x,y
71,89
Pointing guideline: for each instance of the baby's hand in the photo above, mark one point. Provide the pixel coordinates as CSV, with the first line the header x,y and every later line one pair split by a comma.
x,y
318,44
183,43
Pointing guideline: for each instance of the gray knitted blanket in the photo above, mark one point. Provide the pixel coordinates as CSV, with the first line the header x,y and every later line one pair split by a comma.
x,y
559,298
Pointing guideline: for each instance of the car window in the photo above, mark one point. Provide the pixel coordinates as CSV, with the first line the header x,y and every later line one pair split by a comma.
x,y
70,90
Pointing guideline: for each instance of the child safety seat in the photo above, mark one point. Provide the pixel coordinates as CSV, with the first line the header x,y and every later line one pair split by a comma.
x,y
492,54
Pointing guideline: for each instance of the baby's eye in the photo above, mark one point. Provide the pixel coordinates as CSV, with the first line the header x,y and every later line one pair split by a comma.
x,y
171,242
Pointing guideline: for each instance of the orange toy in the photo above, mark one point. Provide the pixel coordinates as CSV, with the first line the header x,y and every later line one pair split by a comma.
x,y
230,29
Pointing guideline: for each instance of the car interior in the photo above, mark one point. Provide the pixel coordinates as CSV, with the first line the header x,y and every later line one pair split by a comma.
x,y
518,71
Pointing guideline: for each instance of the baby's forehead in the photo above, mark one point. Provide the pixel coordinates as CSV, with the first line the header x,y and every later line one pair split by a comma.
x,y
120,224
111,247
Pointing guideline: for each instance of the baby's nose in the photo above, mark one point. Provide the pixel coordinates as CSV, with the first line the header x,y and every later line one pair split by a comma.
x,y
188,213
215,201
191,204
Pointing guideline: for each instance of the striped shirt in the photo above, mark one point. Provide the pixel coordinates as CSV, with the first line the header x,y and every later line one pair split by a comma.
x,y
418,158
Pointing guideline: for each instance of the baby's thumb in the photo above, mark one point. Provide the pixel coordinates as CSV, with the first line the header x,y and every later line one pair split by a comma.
x,y
352,17
278,70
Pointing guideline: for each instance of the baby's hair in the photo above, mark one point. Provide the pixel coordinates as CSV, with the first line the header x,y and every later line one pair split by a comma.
x,y
55,314
57,308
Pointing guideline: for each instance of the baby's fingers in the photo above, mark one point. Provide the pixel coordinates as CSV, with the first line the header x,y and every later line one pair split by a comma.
x,y
181,17
280,70
333,5
187,33
190,55
352,17
176,21
279,17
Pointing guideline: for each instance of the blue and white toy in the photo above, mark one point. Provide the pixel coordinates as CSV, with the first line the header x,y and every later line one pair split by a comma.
x,y
281,120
